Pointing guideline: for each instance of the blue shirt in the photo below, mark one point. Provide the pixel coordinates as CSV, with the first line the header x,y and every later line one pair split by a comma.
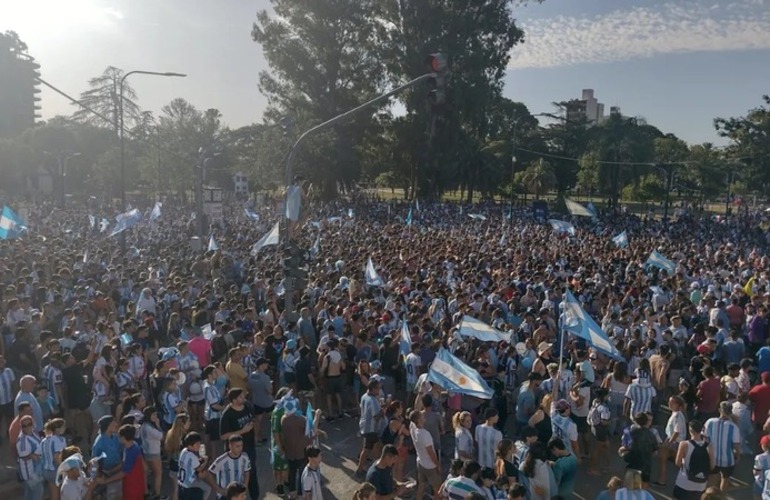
x,y
51,445
130,456
37,412
110,446
763,359
565,471
188,463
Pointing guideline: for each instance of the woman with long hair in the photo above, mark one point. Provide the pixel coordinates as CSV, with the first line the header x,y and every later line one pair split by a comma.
x,y
173,447
613,485
461,423
535,471
632,487
617,383
395,433
504,467
152,435
133,406
174,326
541,420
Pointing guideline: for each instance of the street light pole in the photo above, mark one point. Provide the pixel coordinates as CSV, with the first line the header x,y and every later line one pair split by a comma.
x,y
63,173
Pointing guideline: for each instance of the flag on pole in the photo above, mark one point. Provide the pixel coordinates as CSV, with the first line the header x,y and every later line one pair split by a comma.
x,y
155,211
748,288
477,216
293,202
621,240
270,238
577,209
455,376
11,225
577,322
251,215
472,327
409,217
656,259
126,220
372,278
103,225
561,226
213,247
405,343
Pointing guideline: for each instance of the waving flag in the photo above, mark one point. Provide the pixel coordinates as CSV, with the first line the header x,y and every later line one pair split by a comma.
x,y
577,209
155,211
455,376
409,217
350,213
405,343
316,246
293,202
621,240
477,216
126,220
309,420
103,225
372,278
562,227
213,247
577,322
251,214
657,259
271,238
11,225
748,288
472,327
91,221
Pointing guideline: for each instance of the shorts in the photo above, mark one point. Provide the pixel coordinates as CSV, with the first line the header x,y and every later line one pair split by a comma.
x,y
370,440
334,385
581,423
601,433
259,410
724,471
212,429
428,476
152,456
277,462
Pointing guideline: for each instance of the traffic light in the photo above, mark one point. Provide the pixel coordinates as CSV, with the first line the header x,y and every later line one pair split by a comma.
x,y
295,261
436,64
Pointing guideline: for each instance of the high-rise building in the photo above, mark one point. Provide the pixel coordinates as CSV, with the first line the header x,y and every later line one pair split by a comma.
x,y
586,108
19,100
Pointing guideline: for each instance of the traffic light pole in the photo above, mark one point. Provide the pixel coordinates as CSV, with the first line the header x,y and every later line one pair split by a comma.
x,y
288,284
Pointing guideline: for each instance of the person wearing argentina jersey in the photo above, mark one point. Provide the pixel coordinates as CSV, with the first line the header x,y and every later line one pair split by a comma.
x,y
725,437
212,408
234,465
51,447
6,392
562,425
192,468
639,395
29,452
487,438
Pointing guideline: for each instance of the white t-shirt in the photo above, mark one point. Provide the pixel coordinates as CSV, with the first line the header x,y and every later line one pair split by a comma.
x,y
677,423
413,364
422,440
582,410
74,489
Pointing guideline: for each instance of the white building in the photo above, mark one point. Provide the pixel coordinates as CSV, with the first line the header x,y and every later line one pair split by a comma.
x,y
240,184
587,107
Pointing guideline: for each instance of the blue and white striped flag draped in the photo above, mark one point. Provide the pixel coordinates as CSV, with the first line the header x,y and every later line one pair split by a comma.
x,y
126,220
578,210
213,247
561,226
155,211
103,225
455,376
271,238
409,217
656,259
472,327
621,240
405,343
309,420
293,202
91,221
591,208
372,278
577,322
11,225
251,214
477,216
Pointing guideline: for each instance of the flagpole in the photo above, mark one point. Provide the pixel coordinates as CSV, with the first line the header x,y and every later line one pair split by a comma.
x,y
561,340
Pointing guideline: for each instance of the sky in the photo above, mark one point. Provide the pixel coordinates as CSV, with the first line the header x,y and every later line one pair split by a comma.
x,y
676,63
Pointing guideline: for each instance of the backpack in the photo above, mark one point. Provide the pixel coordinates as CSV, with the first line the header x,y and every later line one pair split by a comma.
x,y
595,416
699,465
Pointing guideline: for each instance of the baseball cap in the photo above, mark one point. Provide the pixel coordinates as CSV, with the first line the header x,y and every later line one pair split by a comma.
x,y
765,441
562,405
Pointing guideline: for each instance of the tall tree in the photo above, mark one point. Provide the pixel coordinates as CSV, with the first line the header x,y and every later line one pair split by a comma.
x,y
750,137
539,177
103,96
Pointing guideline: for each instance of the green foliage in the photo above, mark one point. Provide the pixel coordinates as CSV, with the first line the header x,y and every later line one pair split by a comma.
x,y
539,178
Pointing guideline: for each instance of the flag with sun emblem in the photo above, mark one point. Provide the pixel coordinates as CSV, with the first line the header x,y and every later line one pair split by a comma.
x,y
455,376
577,322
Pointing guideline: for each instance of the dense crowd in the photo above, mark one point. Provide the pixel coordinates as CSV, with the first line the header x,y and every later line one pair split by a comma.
x,y
127,361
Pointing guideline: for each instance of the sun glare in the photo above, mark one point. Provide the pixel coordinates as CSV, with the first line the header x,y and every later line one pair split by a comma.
x,y
49,19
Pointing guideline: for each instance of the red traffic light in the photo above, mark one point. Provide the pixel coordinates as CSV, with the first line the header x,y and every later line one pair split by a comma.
x,y
436,62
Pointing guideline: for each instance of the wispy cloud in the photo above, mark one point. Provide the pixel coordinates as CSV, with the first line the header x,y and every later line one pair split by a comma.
x,y
644,32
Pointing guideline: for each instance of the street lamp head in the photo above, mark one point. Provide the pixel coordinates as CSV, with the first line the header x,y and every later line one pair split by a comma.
x,y
181,75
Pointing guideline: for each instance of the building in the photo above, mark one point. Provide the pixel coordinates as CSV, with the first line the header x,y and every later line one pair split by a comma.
x,y
586,108
240,184
19,100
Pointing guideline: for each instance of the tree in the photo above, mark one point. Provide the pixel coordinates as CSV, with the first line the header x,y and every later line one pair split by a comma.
x,y
539,178
103,96
750,136
388,180
15,43
588,173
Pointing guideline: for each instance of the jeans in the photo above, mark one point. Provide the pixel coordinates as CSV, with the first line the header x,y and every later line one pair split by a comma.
x,y
295,471
251,452
33,489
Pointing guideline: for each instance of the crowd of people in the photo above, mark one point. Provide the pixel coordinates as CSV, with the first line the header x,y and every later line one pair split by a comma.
x,y
134,358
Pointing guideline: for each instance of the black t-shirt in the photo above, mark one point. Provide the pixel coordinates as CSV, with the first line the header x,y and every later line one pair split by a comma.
x,y
381,479
78,393
273,348
234,420
302,370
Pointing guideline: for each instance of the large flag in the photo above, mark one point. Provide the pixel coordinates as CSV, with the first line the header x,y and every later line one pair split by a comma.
x,y
409,217
405,343
578,322
372,278
621,240
455,376
577,209
155,211
126,220
561,226
11,225
213,247
657,259
293,202
271,238
472,327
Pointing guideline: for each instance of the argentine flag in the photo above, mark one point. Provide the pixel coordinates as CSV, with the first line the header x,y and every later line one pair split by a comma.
x,y
562,227
405,343
309,421
578,210
455,376
270,238
11,225
472,327
155,211
213,247
372,278
251,215
577,322
91,221
126,220
621,240
657,259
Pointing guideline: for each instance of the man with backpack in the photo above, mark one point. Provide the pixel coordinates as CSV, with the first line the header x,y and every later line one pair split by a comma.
x,y
725,438
694,458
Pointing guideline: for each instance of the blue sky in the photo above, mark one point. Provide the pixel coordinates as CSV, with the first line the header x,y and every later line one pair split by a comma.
x,y
677,63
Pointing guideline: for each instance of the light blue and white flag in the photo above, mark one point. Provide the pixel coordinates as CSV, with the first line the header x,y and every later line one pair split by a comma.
x,y
293,202
350,213
372,278
155,211
309,420
455,376
409,217
578,210
561,226
316,245
592,208
213,247
472,327
126,220
405,343
621,240
11,225
103,225
417,204
656,259
477,216
577,322
271,238
91,221
251,214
